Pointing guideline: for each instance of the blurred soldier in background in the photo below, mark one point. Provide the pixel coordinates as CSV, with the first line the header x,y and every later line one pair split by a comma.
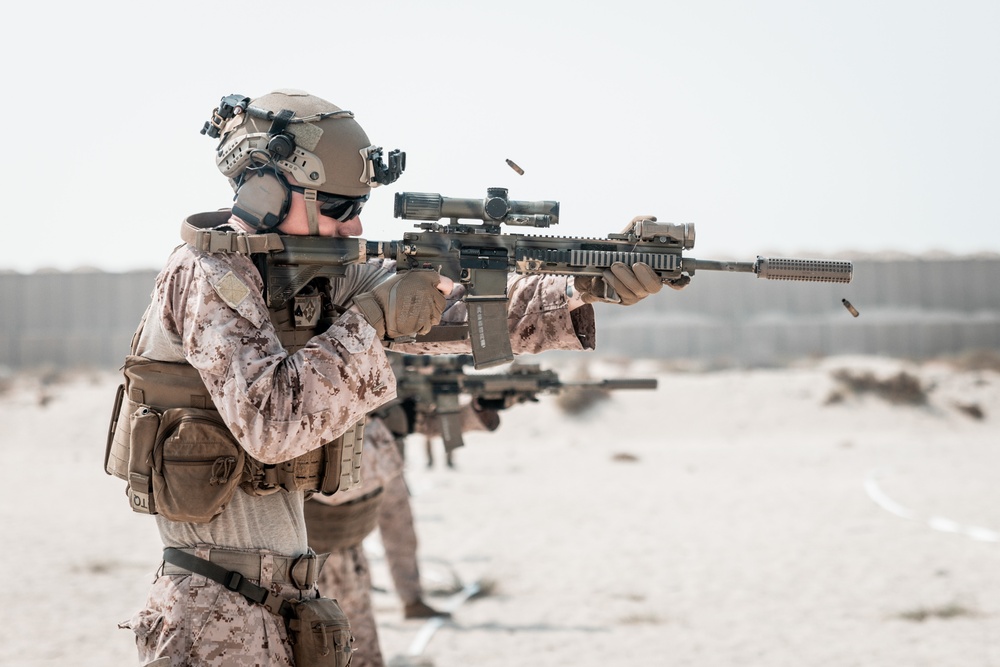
x,y
339,524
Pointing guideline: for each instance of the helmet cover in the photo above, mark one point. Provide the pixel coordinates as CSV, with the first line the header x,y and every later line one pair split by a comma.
x,y
327,151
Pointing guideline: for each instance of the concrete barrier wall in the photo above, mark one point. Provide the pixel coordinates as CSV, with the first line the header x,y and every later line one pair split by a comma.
x,y
70,319
913,308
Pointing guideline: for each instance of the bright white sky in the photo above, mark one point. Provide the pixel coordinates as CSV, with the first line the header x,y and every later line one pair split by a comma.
x,y
775,126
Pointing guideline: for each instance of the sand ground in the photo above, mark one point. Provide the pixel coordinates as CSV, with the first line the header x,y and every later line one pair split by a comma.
x,y
734,517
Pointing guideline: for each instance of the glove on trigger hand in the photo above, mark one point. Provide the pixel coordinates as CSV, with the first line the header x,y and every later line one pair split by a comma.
x,y
404,305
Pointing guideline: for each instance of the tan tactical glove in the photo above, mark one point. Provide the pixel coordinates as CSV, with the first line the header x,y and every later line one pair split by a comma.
x,y
632,284
406,304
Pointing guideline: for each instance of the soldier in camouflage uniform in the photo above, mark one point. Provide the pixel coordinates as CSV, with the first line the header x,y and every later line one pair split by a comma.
x,y
395,516
300,166
280,398
338,524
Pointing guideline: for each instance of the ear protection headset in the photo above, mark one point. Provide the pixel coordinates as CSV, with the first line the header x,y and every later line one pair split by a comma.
x,y
263,195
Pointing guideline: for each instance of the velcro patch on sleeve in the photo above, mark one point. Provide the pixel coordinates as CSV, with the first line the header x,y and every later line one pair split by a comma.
x,y
232,290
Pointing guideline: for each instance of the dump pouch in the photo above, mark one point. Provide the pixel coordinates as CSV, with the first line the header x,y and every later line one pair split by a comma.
x,y
320,633
318,629
197,465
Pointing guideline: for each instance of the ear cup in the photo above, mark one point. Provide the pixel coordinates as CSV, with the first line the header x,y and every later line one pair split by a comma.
x,y
281,145
262,199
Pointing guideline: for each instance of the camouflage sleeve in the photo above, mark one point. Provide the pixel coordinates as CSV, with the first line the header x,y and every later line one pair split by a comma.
x,y
277,405
538,319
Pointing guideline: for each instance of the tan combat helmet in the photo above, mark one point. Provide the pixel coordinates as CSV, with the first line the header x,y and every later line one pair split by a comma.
x,y
290,140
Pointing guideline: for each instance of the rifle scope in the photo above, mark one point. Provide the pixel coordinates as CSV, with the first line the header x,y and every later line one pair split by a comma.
x,y
496,208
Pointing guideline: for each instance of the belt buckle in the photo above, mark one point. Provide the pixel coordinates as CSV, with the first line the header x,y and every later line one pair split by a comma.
x,y
304,571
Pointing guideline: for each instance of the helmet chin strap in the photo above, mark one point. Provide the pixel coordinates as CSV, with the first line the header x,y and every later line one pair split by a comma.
x,y
312,212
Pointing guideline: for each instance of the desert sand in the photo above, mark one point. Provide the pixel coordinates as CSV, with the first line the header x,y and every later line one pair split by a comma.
x,y
731,517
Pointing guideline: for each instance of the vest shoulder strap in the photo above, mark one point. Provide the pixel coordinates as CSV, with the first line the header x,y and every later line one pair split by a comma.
x,y
197,231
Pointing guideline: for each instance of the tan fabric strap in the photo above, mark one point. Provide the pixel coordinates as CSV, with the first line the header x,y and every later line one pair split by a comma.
x,y
312,212
301,572
210,240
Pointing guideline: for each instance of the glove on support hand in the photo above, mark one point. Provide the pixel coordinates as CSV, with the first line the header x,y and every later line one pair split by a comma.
x,y
633,284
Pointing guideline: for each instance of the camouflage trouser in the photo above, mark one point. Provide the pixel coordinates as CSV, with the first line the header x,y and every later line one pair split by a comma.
x,y
395,525
190,620
346,578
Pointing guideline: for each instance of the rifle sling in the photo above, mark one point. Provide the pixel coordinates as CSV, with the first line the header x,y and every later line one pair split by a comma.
x,y
196,231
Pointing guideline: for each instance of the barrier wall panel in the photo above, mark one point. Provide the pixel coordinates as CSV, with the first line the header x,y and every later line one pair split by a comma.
x,y
909,308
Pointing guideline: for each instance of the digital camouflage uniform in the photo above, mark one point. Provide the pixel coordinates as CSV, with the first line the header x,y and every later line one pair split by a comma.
x,y
346,576
399,539
395,517
208,310
538,320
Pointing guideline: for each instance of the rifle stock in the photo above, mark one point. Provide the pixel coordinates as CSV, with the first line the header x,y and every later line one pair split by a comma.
x,y
304,258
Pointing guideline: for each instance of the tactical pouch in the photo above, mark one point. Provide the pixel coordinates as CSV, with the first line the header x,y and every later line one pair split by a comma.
x,y
320,633
170,444
147,383
336,527
144,424
347,475
196,464
116,450
336,466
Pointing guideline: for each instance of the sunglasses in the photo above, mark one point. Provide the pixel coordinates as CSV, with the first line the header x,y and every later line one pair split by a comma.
x,y
339,208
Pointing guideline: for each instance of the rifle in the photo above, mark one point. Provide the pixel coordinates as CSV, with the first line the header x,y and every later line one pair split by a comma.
x,y
479,256
432,386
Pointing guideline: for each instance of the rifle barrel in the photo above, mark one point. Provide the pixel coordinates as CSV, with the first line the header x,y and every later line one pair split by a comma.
x,y
619,383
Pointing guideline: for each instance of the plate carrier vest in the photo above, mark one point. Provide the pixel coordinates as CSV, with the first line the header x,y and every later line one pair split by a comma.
x,y
169,443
